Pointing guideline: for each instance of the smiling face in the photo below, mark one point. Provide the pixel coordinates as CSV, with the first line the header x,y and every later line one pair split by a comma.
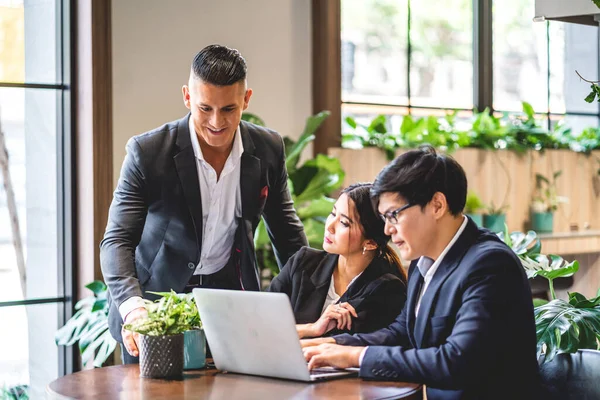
x,y
216,110
343,231
415,229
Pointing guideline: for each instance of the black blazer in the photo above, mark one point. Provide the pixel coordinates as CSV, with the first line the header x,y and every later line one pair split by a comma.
x,y
153,239
378,294
474,337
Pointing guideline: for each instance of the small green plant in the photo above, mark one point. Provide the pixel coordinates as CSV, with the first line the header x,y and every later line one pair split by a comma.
x,y
171,314
473,204
486,130
89,327
546,198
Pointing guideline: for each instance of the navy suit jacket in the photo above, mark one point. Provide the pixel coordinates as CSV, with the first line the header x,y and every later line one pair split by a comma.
x,y
474,337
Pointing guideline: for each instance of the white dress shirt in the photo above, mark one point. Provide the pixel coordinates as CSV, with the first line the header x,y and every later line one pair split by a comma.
x,y
431,271
429,275
332,297
221,205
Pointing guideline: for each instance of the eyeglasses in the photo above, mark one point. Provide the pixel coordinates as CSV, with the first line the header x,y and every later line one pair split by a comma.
x,y
392,216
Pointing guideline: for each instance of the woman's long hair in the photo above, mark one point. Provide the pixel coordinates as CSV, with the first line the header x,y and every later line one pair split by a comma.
x,y
373,226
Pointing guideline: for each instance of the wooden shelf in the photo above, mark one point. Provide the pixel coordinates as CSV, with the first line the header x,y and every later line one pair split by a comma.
x,y
580,242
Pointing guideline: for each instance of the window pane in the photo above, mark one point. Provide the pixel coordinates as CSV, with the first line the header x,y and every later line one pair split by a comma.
x,y
572,48
28,41
374,67
29,119
577,123
442,54
29,355
520,57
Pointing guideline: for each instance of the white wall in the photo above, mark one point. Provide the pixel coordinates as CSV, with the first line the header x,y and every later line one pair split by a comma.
x,y
154,42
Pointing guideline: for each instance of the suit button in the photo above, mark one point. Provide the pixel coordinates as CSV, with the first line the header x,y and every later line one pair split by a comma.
x,y
191,265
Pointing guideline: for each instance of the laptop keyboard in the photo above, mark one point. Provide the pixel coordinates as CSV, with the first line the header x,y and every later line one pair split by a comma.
x,y
324,371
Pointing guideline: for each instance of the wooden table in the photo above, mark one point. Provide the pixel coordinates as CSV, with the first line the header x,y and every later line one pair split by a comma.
x,y
123,382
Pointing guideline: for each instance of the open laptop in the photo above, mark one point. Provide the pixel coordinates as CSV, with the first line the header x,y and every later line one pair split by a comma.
x,y
255,333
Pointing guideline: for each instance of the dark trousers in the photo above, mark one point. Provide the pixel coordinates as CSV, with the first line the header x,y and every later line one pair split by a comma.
x,y
226,278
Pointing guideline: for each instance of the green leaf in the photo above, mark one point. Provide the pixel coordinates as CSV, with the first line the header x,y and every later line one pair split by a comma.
x,y
320,207
291,161
261,237
563,328
408,124
351,121
317,177
253,118
105,350
378,124
539,302
597,3
100,305
592,96
97,287
312,124
528,110
315,231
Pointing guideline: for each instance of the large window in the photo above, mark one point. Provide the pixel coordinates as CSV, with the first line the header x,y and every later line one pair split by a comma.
x,y
417,57
35,257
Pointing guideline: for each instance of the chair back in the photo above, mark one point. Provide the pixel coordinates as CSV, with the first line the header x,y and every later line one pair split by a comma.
x,y
573,376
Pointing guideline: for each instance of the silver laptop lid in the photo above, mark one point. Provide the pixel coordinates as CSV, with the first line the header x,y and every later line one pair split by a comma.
x,y
252,333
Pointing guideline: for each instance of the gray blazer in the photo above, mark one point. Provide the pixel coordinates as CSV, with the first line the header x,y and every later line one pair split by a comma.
x,y
153,238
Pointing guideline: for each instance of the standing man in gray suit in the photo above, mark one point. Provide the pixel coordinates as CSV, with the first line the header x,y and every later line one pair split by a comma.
x,y
190,196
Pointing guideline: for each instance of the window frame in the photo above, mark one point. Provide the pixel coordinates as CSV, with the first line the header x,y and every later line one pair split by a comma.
x,y
65,179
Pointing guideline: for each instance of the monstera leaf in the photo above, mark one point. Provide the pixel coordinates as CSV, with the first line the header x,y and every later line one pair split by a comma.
x,y
523,244
550,267
89,327
565,327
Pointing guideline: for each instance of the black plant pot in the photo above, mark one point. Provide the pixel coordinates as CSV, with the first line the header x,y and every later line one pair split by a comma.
x,y
161,356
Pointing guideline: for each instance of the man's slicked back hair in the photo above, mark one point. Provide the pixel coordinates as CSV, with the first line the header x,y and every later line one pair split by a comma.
x,y
219,65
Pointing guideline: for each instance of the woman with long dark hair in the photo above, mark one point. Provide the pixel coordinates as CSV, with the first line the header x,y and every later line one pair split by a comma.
x,y
356,283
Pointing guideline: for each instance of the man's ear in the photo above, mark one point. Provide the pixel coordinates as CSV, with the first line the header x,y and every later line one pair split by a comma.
x,y
185,90
247,98
439,205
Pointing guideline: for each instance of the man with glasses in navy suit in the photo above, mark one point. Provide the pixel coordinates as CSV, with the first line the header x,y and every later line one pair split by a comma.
x,y
467,330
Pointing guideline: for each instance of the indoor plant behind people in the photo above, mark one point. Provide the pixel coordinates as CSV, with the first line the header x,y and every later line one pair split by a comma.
x,y
545,203
474,207
162,334
495,217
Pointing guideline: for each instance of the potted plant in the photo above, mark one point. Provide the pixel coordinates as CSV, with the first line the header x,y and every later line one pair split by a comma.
x,y
194,339
162,334
561,326
545,202
474,207
495,217
89,327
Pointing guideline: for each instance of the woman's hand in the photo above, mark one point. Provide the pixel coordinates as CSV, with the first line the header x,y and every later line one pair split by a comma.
x,y
335,315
